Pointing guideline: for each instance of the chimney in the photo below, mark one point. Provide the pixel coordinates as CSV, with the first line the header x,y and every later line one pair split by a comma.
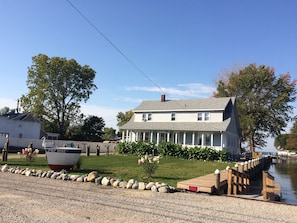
x,y
163,98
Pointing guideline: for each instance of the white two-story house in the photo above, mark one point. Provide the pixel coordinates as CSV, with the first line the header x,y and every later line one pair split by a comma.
x,y
211,122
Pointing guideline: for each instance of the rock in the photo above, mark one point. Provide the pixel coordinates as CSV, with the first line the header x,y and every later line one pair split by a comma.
x,y
154,188
28,173
49,174
163,189
135,185
55,175
65,177
73,177
92,176
123,184
80,179
98,180
141,186
149,185
43,175
105,181
116,183
130,183
4,168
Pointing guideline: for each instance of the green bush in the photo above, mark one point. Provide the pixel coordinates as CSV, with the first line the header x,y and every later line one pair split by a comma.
x,y
172,150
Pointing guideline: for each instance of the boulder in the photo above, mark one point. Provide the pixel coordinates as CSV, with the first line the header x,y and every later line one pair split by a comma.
x,y
4,168
92,176
149,185
141,186
105,181
154,188
163,189
98,180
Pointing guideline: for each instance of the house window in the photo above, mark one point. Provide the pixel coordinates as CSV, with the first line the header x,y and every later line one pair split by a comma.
x,y
206,116
199,116
144,117
203,116
173,116
207,139
149,116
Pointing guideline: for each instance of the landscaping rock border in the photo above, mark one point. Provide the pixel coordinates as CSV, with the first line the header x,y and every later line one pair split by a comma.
x,y
92,177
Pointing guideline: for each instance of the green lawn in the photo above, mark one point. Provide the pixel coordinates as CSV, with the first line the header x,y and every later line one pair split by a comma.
x,y
170,170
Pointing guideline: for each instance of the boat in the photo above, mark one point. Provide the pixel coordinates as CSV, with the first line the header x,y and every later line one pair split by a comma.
x,y
60,158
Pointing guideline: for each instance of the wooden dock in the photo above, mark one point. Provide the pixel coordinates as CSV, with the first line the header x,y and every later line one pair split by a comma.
x,y
204,184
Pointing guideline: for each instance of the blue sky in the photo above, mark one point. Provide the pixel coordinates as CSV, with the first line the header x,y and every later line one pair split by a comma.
x,y
180,46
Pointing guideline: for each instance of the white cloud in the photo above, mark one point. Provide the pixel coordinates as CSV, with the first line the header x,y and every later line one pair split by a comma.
x,y
191,90
109,115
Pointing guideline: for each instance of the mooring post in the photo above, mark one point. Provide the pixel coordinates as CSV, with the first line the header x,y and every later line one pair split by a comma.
x,y
235,187
217,185
97,150
87,150
5,150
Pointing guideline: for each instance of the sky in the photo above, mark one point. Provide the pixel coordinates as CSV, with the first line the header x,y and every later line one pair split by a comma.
x,y
140,49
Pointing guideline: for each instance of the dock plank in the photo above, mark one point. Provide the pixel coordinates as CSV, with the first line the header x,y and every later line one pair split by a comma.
x,y
205,184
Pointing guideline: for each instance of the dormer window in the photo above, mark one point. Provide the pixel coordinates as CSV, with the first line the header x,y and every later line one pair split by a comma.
x,y
149,116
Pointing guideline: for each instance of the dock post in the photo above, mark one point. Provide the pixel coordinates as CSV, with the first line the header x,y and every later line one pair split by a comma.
x,y
235,187
87,150
97,150
217,185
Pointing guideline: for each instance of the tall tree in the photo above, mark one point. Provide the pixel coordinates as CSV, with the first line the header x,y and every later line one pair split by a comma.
x,y
57,86
93,128
291,142
109,134
123,118
263,101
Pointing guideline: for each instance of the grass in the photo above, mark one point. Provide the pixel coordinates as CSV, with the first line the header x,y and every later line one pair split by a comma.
x,y
171,170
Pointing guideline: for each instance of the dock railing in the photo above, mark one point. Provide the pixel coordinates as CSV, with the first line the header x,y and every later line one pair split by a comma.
x,y
268,186
240,176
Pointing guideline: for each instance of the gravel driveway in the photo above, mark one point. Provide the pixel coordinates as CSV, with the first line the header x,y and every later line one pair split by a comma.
x,y
32,199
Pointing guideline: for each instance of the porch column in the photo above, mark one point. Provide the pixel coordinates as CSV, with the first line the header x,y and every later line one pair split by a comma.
x,y
193,138
127,136
222,141
158,138
143,137
184,138
136,136
151,137
168,136
175,140
211,139
123,136
202,139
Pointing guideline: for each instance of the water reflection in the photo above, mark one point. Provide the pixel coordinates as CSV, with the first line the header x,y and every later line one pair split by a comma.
x,y
285,173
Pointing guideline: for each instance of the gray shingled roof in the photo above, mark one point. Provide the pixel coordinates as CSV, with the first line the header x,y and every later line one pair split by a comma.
x,y
206,104
177,126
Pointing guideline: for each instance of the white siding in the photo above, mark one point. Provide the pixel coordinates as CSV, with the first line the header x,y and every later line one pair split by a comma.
x,y
20,129
179,117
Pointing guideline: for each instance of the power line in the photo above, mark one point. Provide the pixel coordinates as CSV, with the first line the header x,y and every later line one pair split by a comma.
x,y
113,45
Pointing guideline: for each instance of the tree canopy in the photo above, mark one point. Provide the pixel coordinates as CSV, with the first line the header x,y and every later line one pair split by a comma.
x,y
123,118
93,128
263,101
57,86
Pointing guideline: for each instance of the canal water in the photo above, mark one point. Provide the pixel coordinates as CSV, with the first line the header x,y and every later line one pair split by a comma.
x,y
285,174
